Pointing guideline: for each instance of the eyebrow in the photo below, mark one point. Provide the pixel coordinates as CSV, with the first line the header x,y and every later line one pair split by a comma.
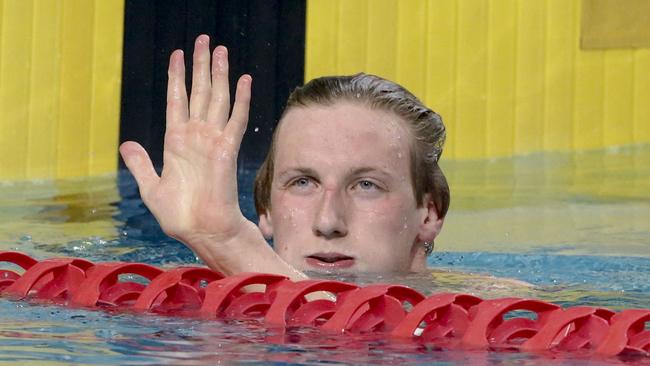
x,y
368,169
299,170
311,172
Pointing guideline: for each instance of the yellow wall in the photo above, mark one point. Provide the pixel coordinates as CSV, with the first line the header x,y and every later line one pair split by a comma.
x,y
60,73
508,76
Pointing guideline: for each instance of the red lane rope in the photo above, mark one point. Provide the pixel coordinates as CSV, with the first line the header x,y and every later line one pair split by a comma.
x,y
448,319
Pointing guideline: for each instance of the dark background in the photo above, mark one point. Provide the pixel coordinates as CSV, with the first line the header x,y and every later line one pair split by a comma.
x,y
265,38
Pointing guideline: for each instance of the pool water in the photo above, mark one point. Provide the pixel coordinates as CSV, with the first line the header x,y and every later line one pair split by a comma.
x,y
574,226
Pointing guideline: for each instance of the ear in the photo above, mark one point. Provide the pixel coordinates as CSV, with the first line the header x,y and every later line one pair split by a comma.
x,y
266,225
431,224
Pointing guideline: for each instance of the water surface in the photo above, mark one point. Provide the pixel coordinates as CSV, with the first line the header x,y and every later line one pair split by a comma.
x,y
574,226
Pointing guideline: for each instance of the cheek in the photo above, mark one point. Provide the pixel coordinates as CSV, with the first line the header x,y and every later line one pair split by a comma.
x,y
291,228
393,214
289,215
398,223
393,232
387,231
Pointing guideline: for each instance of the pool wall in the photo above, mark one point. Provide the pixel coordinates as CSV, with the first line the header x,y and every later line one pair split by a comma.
x,y
60,67
509,77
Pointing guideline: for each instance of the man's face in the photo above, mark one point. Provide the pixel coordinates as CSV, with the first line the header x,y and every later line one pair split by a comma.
x,y
341,197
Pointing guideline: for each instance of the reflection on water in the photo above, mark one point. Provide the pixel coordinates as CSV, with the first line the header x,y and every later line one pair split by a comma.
x,y
48,335
50,214
573,225
586,203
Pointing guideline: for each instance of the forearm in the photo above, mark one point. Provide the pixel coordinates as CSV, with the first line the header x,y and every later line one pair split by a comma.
x,y
247,251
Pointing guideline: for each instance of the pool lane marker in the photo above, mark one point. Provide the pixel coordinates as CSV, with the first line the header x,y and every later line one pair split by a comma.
x,y
446,320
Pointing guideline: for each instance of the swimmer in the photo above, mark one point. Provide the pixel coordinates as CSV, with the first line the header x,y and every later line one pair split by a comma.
x,y
351,182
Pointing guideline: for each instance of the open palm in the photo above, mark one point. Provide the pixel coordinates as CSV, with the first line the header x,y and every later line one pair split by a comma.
x,y
196,194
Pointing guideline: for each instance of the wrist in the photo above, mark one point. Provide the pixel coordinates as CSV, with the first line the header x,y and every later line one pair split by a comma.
x,y
242,249
230,253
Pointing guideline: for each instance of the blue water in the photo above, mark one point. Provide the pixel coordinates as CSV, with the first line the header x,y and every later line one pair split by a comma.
x,y
573,226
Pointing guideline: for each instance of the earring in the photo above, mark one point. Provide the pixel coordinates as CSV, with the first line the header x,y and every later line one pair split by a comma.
x,y
428,247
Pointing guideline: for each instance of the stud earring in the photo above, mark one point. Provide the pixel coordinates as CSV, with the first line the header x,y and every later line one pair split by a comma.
x,y
428,248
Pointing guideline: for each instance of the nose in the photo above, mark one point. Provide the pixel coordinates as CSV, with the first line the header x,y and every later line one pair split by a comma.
x,y
330,220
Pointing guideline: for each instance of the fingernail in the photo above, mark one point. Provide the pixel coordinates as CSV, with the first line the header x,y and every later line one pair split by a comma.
x,y
203,38
220,51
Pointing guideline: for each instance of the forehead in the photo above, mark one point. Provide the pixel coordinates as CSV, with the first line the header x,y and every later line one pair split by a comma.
x,y
343,132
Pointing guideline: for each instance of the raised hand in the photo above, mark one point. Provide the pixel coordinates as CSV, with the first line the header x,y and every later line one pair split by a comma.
x,y
195,199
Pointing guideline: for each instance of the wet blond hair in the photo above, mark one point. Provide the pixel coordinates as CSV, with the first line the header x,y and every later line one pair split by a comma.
x,y
426,127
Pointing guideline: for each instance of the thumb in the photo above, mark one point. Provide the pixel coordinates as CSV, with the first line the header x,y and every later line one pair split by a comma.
x,y
139,164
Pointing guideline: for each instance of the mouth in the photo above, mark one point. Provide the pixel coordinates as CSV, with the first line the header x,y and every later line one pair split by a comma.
x,y
329,260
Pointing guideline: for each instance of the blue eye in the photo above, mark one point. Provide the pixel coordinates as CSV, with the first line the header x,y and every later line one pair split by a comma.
x,y
301,182
302,185
366,185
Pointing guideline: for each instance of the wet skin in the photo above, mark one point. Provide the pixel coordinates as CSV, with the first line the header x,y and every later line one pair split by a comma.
x,y
342,197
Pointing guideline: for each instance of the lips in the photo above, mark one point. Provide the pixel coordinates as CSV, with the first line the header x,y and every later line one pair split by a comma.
x,y
330,260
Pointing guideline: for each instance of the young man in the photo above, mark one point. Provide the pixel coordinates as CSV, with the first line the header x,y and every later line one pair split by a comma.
x,y
351,182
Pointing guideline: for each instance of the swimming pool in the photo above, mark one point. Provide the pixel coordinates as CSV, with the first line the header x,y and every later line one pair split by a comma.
x,y
574,225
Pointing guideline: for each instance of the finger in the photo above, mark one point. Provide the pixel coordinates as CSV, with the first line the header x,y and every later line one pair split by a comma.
x,y
239,118
220,100
200,95
176,92
139,164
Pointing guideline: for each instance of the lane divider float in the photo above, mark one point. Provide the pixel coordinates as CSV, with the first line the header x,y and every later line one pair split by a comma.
x,y
448,320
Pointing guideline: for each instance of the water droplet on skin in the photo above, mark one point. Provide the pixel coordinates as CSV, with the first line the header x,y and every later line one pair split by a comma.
x,y
224,155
